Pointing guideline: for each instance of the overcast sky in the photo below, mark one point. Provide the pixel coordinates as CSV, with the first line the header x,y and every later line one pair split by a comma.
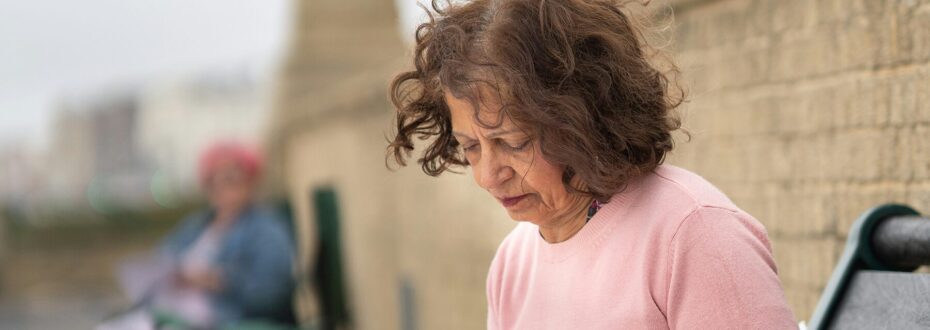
x,y
50,48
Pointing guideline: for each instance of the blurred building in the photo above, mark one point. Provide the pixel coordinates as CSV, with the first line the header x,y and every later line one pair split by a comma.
x,y
71,143
805,112
93,156
22,181
178,118
132,148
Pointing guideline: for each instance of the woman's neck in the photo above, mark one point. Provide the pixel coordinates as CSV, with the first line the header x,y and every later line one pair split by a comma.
x,y
562,228
225,217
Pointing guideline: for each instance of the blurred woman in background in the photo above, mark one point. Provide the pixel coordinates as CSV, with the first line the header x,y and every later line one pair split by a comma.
x,y
226,264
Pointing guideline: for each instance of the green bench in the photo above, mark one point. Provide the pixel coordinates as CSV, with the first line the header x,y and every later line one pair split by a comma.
x,y
874,285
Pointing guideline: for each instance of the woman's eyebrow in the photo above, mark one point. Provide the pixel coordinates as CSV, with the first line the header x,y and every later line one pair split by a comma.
x,y
492,135
495,134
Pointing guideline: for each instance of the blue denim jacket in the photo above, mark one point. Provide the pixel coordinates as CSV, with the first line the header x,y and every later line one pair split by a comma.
x,y
255,259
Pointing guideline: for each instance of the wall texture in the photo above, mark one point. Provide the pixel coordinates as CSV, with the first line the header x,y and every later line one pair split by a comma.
x,y
333,74
805,112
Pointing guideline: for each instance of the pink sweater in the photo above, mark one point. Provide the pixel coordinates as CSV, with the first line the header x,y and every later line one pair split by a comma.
x,y
670,252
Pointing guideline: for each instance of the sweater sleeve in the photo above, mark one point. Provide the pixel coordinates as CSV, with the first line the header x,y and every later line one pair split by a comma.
x,y
722,275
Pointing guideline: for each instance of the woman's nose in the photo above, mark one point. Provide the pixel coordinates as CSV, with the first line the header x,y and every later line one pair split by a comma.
x,y
491,171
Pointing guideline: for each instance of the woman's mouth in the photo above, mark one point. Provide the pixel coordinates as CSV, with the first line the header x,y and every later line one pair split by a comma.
x,y
511,201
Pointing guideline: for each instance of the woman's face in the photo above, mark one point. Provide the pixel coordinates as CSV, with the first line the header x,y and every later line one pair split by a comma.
x,y
229,187
507,163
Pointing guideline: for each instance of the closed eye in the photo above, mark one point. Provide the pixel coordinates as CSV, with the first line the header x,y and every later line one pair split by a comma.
x,y
518,147
470,147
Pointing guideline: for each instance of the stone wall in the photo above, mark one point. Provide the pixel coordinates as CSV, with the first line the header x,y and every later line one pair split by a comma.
x,y
807,113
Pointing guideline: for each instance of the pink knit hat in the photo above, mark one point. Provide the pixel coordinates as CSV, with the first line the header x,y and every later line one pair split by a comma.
x,y
246,157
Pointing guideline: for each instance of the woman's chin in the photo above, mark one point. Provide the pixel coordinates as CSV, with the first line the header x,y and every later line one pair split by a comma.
x,y
520,215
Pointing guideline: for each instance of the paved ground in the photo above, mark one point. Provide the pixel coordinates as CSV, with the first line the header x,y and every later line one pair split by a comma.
x,y
56,312
63,279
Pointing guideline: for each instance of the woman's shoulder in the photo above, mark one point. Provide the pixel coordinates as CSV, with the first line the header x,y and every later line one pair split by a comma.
x,y
518,236
675,186
262,225
515,244
266,218
703,210
663,201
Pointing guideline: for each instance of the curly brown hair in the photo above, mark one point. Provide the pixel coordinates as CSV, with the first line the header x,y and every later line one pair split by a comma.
x,y
575,74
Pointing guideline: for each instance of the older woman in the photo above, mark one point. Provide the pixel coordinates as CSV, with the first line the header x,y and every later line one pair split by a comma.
x,y
223,266
556,109
236,256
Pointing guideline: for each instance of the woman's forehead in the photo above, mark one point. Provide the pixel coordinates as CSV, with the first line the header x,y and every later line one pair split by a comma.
x,y
465,125
487,109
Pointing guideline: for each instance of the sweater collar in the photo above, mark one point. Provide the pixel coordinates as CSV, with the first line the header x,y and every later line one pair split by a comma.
x,y
593,231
